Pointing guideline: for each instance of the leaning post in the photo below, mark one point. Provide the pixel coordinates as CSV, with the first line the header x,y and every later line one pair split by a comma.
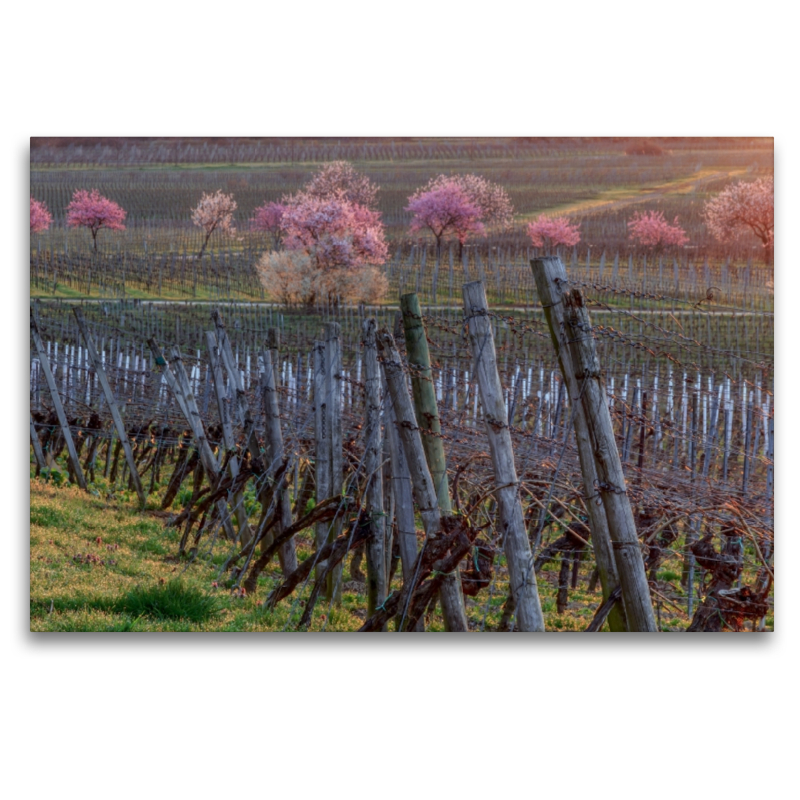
x,y
450,594
512,524
574,343
373,451
426,412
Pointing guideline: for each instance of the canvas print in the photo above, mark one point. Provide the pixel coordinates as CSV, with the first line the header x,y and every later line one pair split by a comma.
x,y
402,384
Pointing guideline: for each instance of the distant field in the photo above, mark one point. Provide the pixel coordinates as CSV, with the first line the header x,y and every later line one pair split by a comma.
x,y
593,181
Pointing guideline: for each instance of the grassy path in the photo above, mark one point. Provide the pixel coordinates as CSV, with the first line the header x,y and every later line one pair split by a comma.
x,y
613,199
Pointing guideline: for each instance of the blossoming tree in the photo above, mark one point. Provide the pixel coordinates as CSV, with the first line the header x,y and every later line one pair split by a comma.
x,y
445,210
93,211
268,218
744,208
40,216
214,212
651,230
342,245
553,232
493,201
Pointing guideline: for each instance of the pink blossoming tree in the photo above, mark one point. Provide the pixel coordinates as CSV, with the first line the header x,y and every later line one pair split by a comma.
x,y
339,180
445,210
214,212
651,230
268,218
493,201
553,232
744,208
344,243
93,211
40,216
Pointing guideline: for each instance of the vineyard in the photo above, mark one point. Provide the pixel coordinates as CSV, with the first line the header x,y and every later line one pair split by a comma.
x,y
347,467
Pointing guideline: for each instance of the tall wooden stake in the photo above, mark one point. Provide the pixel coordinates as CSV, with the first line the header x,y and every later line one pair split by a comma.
x,y
245,534
426,412
275,454
548,273
425,405
376,558
571,331
515,537
450,594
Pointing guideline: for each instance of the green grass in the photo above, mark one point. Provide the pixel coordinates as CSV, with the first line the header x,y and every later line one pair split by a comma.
x,y
98,563
173,600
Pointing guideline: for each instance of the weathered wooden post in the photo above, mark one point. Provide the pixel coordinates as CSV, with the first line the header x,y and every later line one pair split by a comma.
x,y
515,537
422,390
545,272
376,558
59,408
223,405
571,332
235,377
403,498
426,410
450,594
97,365
287,554
274,458
328,433
322,461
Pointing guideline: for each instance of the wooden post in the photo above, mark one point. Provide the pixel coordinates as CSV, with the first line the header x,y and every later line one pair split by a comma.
x,y
403,499
59,408
376,558
333,409
274,458
571,331
242,406
328,435
771,457
515,538
426,412
545,272
452,600
245,534
425,406
322,461
97,365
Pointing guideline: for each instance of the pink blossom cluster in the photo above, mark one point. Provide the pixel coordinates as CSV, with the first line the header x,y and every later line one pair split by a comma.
x,y
40,216
651,229
553,232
